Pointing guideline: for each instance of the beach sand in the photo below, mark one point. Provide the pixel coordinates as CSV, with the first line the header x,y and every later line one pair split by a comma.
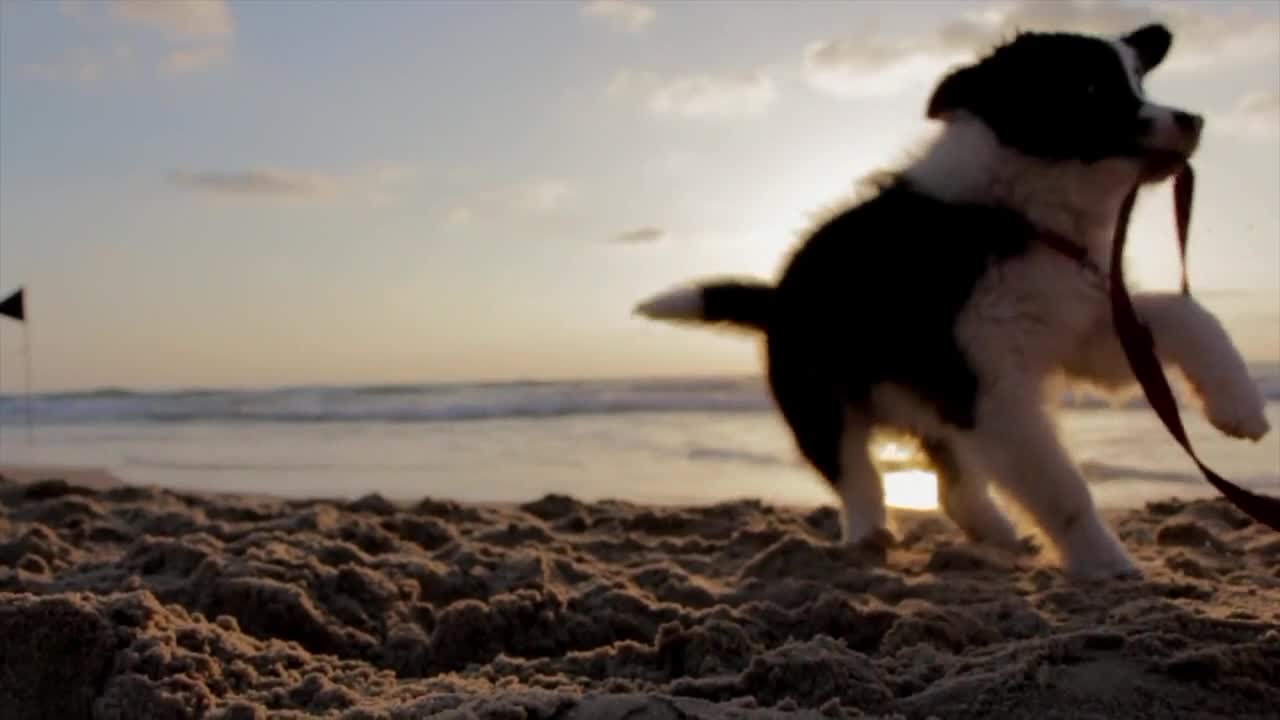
x,y
119,601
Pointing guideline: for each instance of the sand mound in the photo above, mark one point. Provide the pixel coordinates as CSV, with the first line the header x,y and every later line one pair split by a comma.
x,y
132,602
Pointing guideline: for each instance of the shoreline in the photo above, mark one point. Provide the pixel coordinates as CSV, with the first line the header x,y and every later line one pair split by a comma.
x,y
1113,494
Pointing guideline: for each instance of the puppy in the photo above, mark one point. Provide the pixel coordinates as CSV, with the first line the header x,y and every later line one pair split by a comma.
x,y
950,301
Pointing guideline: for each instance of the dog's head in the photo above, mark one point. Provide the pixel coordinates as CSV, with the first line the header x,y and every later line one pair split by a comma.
x,y
1069,97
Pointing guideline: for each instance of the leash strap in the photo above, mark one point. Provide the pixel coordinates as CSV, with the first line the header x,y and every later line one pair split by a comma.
x,y
1184,187
1139,347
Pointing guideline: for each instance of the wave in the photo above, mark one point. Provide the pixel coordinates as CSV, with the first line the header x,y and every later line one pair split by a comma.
x,y
441,403
392,404
1103,472
745,457
140,461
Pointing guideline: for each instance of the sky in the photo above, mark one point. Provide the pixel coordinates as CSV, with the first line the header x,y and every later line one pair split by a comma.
x,y
258,193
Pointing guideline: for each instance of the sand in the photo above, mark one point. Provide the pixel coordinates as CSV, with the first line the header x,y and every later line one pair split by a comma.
x,y
119,601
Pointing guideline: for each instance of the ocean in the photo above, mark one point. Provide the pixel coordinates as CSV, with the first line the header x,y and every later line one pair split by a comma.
x,y
656,441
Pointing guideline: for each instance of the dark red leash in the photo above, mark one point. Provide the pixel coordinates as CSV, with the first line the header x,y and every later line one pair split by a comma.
x,y
1184,186
1140,349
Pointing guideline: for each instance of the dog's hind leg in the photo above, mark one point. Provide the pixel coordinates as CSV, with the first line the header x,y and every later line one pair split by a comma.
x,y
860,486
834,439
1019,446
964,497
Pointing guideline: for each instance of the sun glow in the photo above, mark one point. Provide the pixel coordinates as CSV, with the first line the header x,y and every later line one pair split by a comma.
x,y
909,482
911,489
896,451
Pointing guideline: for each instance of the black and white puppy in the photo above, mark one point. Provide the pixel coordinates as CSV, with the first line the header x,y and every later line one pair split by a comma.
x,y
937,307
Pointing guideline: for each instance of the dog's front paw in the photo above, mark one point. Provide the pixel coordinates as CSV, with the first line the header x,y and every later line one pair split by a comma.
x,y
1094,553
873,544
1102,573
1239,413
1113,564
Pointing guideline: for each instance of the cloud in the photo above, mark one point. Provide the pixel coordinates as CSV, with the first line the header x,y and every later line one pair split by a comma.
x,y
1202,36
200,31
710,96
253,183
1255,116
197,35
871,63
640,236
870,68
539,198
376,185
699,96
178,18
625,15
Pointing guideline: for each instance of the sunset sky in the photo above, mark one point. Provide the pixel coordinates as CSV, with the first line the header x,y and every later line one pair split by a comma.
x,y
257,193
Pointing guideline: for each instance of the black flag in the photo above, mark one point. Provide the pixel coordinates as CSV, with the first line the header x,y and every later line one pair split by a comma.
x,y
14,306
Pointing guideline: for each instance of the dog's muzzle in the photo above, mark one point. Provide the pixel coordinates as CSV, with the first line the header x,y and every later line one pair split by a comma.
x,y
1170,137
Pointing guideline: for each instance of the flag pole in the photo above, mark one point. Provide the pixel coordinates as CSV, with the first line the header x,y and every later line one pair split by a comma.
x,y
26,346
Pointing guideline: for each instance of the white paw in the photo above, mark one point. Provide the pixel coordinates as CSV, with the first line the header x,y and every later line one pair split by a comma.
x,y
1113,565
1004,537
1094,553
1237,409
996,534
865,524
984,524
1124,571
1217,372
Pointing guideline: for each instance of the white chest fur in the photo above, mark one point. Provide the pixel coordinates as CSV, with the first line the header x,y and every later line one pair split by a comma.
x,y
1028,317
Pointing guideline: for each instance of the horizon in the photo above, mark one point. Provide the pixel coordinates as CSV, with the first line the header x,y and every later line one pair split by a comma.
x,y
459,193
1261,368
478,382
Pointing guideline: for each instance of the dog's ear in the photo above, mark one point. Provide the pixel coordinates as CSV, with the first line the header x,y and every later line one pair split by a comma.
x,y
954,92
1151,43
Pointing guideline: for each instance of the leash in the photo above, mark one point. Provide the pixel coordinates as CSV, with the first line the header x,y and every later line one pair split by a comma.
x,y
1139,347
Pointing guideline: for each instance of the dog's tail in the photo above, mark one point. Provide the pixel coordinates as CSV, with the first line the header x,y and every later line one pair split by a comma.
x,y
743,304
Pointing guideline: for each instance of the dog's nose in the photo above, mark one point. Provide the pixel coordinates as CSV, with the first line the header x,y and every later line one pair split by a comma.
x,y
1187,122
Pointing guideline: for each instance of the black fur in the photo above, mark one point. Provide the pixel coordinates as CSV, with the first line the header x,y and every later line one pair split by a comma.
x,y
872,297
1055,96
1152,43
746,304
